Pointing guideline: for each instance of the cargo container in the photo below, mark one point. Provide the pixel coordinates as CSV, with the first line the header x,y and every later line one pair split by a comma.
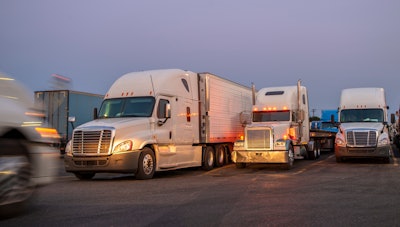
x,y
66,109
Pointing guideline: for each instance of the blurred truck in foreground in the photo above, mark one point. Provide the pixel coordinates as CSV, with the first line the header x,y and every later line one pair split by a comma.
x,y
279,129
160,120
66,109
395,128
28,157
363,125
325,129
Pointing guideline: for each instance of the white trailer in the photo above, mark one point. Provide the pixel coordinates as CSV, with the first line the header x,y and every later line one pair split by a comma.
x,y
160,120
279,131
363,127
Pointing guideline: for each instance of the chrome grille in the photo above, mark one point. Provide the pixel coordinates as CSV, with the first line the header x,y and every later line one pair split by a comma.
x,y
361,138
258,139
91,142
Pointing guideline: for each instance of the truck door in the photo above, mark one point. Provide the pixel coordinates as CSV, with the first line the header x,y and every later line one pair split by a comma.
x,y
164,136
175,134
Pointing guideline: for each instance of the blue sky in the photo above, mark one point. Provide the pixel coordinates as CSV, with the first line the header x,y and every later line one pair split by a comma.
x,y
329,45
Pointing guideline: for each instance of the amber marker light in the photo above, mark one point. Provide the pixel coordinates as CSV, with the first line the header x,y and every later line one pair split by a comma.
x,y
48,132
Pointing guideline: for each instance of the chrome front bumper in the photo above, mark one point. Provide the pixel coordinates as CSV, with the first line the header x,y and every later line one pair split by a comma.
x,y
260,156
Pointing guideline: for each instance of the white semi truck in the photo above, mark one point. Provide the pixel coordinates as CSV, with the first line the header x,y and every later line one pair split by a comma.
x,y
160,120
363,127
279,131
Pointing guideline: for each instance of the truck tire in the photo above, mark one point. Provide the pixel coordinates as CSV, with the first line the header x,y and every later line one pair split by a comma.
x,y
147,165
318,149
84,176
208,158
220,155
312,155
290,156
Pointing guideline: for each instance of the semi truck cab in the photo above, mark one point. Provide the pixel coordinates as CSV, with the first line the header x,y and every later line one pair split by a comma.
x,y
279,129
363,127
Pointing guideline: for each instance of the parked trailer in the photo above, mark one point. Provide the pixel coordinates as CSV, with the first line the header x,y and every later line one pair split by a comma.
x,y
325,130
279,129
160,120
66,109
363,125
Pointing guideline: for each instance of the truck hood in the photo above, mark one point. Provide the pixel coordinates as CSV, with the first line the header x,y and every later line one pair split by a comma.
x,y
362,125
115,123
271,124
280,128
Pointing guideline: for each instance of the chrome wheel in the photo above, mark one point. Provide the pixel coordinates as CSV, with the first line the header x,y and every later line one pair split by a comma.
x,y
146,165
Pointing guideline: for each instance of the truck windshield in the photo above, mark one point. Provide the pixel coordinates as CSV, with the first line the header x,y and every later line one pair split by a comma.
x,y
361,115
127,107
327,125
263,116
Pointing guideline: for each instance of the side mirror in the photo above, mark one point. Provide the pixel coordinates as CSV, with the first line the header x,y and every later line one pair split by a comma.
x,y
168,110
72,120
245,117
392,118
300,115
95,116
167,114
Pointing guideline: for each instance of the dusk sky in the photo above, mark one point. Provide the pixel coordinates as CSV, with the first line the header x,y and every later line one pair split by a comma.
x,y
328,44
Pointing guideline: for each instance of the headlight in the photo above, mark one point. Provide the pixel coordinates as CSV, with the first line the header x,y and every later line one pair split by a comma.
x,y
68,147
124,146
280,144
239,143
340,142
383,141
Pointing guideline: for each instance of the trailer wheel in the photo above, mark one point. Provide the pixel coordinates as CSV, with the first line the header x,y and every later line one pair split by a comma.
x,y
220,155
318,149
208,160
84,176
312,155
290,156
147,164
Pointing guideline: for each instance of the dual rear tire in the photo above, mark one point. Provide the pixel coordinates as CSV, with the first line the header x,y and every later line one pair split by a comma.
x,y
214,156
